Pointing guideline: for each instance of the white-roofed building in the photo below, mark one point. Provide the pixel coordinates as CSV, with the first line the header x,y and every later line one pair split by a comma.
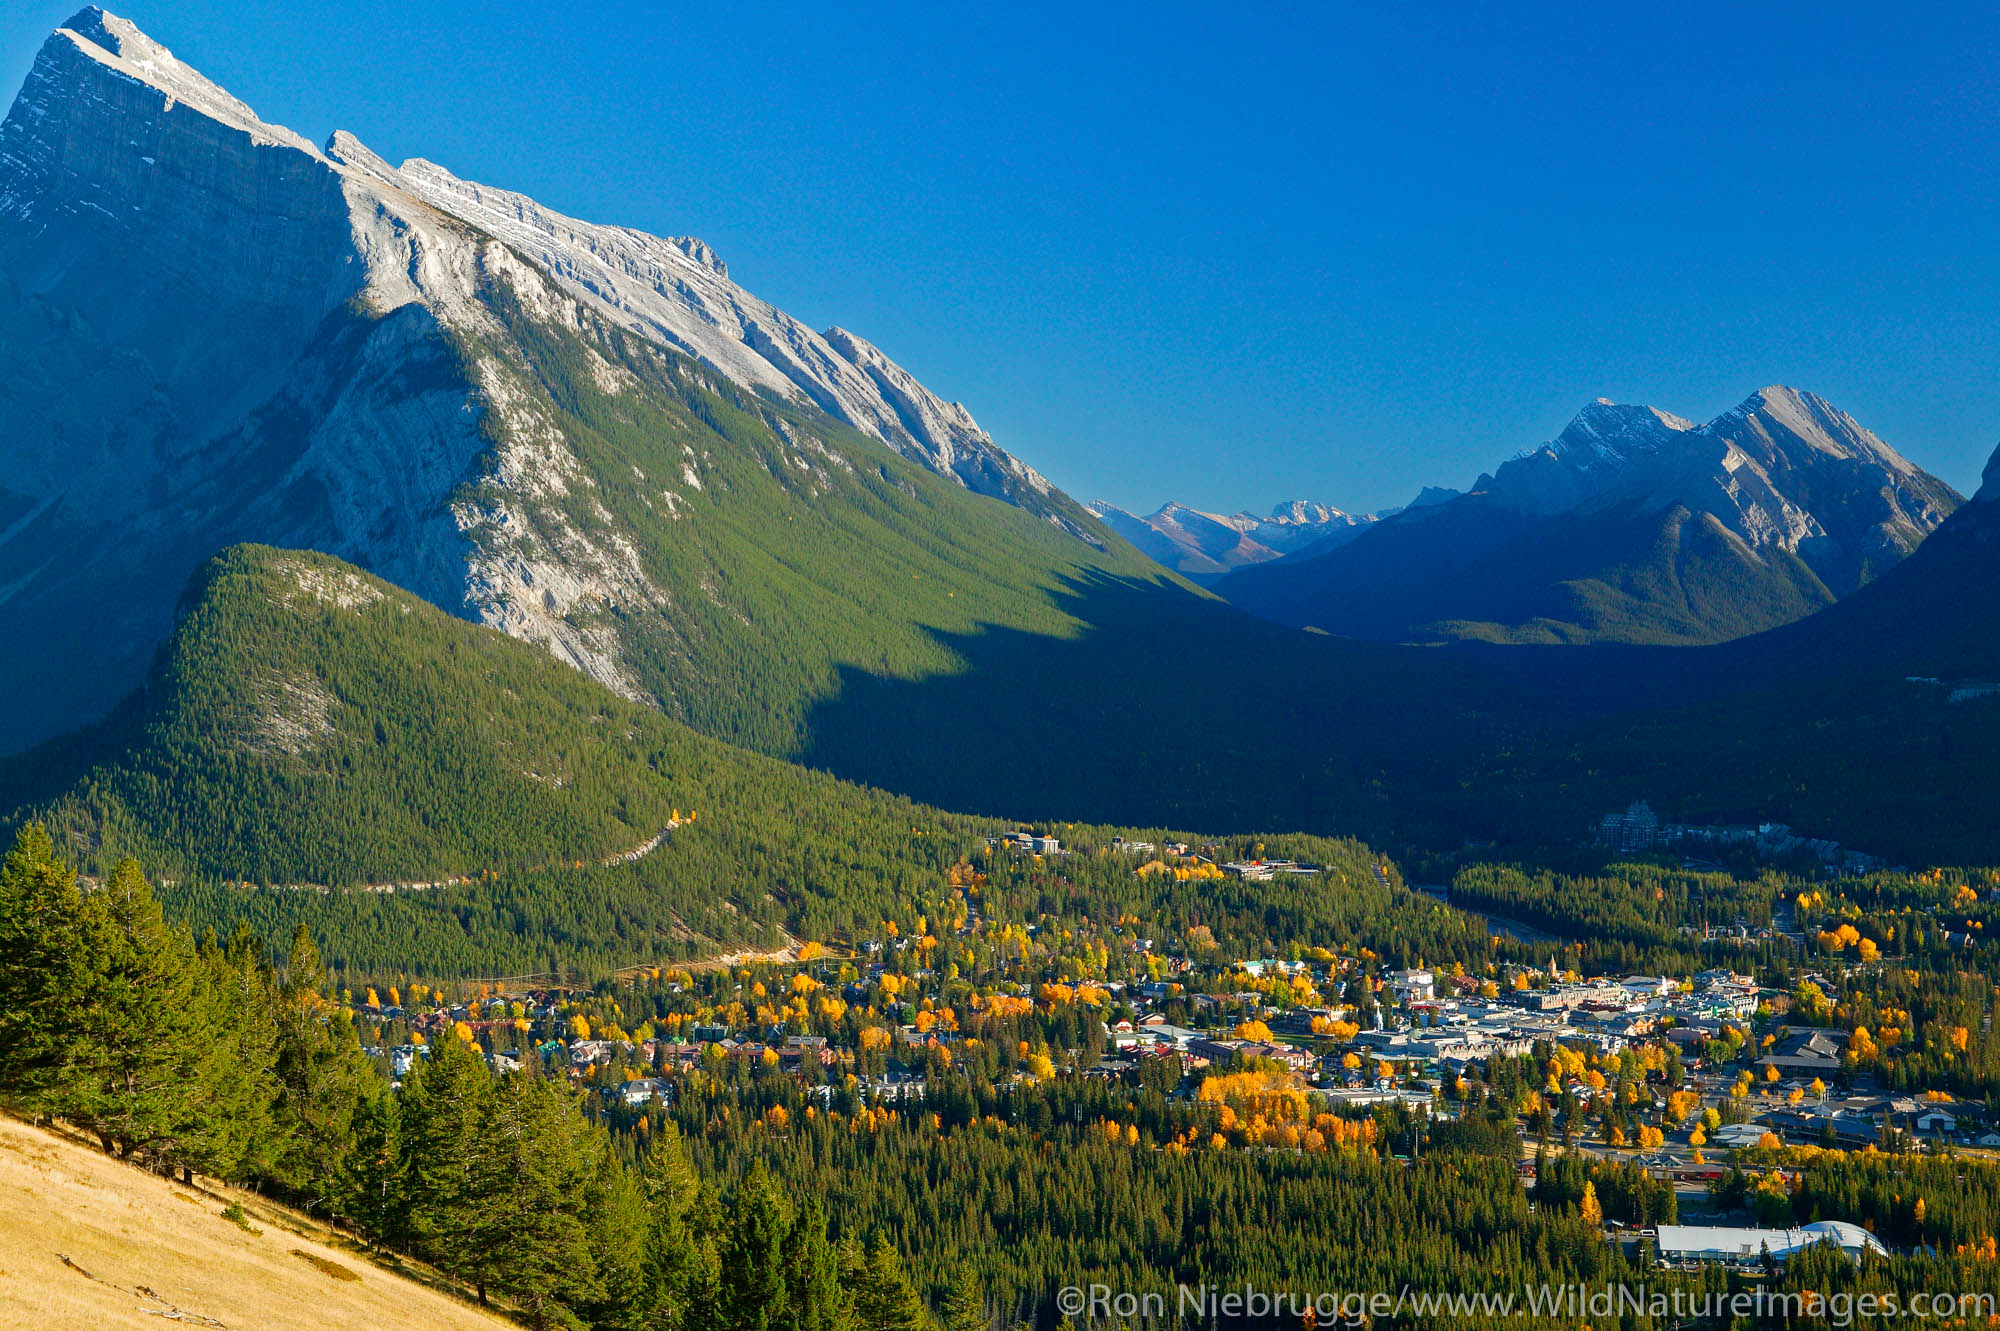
x,y
1743,1247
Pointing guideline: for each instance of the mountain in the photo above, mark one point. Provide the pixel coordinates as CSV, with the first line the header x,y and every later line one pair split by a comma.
x,y
1633,525
592,438
308,725
1203,546
216,334
1865,722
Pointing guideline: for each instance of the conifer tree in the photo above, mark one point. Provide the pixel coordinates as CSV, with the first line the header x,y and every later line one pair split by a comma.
x,y
884,1299
531,1176
44,972
965,1302
814,1298
138,1027
446,1107
322,1079
371,1181
753,1259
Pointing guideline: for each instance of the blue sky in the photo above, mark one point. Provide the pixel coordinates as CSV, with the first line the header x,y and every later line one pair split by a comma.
x,y
1235,254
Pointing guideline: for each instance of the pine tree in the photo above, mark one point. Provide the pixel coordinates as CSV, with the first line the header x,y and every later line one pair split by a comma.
x,y
619,1223
531,1171
228,1059
141,1027
371,1184
682,1266
814,1298
884,1299
965,1302
322,1078
44,973
446,1107
753,1259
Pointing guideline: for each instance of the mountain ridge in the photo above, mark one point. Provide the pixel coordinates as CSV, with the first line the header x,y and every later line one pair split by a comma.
x,y
1631,525
225,334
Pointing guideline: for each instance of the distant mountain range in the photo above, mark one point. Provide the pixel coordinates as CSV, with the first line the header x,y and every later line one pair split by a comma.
x,y
1204,546
1633,525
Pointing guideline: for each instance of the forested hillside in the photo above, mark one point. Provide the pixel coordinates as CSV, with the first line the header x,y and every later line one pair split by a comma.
x,y
311,726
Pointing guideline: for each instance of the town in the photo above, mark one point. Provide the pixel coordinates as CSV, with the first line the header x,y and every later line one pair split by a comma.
x,y
1715,1084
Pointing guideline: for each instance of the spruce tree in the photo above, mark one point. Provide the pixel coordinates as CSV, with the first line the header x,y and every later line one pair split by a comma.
x,y
753,1259
44,973
814,1298
884,1299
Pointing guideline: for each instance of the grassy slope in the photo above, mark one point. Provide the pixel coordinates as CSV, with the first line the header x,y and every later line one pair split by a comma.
x,y
133,1229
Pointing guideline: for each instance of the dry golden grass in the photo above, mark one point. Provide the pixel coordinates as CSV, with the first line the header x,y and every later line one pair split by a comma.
x,y
144,1253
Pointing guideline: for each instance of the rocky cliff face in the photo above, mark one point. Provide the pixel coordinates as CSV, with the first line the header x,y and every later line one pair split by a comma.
x,y
1785,470
212,331
676,289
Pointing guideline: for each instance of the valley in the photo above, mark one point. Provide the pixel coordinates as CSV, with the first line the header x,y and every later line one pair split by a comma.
x,y
582,800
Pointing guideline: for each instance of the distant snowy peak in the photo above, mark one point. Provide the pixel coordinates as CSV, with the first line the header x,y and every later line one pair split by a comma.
x,y
676,289
1613,448
1205,545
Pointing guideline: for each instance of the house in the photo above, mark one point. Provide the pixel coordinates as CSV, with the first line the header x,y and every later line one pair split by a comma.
x,y
641,1091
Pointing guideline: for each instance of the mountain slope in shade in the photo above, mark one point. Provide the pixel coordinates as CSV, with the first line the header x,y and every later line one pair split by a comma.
x,y
1862,722
1634,526
212,331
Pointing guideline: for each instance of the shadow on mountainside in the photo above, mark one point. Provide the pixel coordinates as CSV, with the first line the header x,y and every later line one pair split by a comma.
x,y
1175,710
1172,709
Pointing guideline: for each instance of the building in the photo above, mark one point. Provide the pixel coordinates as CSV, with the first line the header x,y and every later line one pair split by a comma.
x,y
1747,1247
1633,832
1414,986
